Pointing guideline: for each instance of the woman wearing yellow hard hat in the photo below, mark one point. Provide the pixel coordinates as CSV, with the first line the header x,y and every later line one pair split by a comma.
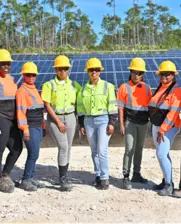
x,y
9,133
133,98
31,123
97,111
59,96
164,110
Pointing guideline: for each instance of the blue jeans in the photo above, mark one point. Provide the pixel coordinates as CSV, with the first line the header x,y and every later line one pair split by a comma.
x,y
98,140
33,147
163,149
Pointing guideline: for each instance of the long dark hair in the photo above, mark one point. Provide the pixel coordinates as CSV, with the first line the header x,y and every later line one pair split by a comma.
x,y
167,91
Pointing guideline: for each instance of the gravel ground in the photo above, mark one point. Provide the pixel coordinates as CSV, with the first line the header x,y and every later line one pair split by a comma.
x,y
85,203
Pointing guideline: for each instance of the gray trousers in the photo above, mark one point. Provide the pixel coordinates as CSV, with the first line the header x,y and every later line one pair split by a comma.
x,y
135,135
63,140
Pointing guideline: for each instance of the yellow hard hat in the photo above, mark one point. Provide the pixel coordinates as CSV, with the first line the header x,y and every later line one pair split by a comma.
x,y
93,63
138,64
62,61
29,67
5,55
167,66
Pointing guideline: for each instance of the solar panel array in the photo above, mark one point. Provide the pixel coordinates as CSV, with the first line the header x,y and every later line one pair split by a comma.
x,y
116,67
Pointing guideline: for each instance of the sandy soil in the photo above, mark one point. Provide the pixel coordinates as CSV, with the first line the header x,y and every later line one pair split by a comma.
x,y
85,203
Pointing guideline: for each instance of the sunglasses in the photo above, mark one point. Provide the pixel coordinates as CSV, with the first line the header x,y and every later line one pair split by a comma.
x,y
136,73
3,63
62,68
165,74
30,75
94,69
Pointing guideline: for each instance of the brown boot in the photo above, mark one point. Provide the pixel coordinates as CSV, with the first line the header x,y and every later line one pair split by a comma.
x,y
104,185
177,193
6,184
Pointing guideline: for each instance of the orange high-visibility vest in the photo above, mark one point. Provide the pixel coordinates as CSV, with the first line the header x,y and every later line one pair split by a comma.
x,y
170,105
7,97
134,99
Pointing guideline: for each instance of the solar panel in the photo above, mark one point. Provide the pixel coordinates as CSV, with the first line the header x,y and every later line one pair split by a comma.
x,y
116,67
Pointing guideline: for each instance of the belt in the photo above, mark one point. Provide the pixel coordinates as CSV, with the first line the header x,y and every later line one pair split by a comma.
x,y
65,113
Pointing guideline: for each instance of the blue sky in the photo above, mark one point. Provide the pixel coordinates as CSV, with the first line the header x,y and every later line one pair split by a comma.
x,y
95,9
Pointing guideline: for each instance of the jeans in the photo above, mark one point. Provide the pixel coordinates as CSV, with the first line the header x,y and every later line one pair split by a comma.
x,y
135,135
162,151
33,147
98,140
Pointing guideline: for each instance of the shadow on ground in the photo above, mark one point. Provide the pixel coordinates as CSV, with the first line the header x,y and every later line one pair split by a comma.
x,y
49,174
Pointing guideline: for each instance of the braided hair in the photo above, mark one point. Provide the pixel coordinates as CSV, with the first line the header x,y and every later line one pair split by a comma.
x,y
167,91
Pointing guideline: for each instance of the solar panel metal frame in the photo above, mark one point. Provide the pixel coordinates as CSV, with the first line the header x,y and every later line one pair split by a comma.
x,y
43,64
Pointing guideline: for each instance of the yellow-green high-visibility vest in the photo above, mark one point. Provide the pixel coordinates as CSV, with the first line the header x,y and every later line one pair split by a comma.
x,y
61,96
97,100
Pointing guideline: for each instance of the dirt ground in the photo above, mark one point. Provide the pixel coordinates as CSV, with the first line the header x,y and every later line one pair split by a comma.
x,y
85,203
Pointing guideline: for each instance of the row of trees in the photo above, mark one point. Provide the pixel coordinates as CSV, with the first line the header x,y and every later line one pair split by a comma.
x,y
28,25
151,25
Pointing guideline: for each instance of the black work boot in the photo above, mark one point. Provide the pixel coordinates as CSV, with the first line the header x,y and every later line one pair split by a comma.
x,y
159,187
97,181
37,183
27,185
65,184
104,185
6,184
127,183
180,185
167,190
137,178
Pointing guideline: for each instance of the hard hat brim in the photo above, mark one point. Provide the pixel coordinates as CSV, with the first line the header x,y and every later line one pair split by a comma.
x,y
7,60
86,69
133,68
25,72
59,66
158,72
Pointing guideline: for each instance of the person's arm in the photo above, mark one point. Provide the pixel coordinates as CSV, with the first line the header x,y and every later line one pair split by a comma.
x,y
61,126
112,109
81,113
21,109
121,106
172,115
121,120
46,96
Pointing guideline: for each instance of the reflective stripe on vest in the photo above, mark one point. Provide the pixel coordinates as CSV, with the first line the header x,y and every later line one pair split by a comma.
x,y
2,96
164,106
36,105
54,85
104,90
130,102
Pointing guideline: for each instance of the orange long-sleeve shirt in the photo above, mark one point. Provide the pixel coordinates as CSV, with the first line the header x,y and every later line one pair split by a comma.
x,y
29,107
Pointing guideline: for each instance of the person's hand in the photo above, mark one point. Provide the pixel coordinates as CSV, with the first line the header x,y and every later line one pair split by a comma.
x,y
122,130
26,136
62,127
160,137
110,129
44,132
83,131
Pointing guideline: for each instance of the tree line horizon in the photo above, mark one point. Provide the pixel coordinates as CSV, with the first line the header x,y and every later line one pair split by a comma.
x,y
26,27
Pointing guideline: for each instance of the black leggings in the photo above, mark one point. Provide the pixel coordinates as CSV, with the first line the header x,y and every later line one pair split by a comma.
x,y
9,137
